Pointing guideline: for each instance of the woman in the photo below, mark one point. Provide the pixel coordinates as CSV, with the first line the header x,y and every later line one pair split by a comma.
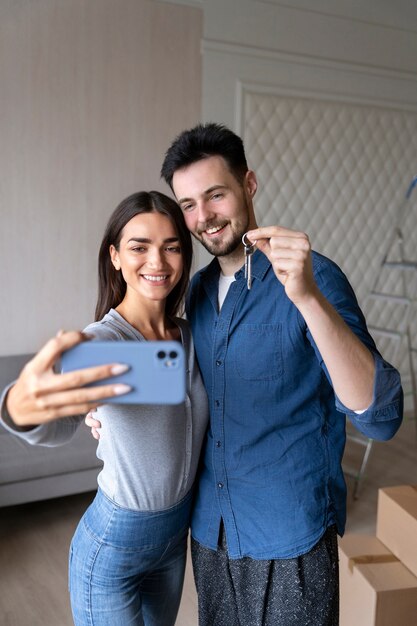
x,y
127,557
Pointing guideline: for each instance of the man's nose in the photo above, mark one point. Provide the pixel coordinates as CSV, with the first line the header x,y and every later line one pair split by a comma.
x,y
204,212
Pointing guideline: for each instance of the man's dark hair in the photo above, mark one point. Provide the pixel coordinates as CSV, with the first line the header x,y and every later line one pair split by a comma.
x,y
203,141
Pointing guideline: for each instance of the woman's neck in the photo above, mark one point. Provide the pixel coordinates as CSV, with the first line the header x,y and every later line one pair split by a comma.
x,y
152,322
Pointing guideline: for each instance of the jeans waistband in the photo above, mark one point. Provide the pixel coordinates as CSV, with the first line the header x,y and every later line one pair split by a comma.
x,y
120,526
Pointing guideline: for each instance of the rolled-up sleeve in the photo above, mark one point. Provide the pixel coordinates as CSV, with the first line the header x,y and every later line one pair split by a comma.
x,y
383,417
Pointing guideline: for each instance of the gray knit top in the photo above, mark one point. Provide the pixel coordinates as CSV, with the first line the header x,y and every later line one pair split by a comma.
x,y
150,452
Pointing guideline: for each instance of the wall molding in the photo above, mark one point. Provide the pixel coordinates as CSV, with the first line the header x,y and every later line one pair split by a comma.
x,y
189,3
212,45
338,16
337,168
244,87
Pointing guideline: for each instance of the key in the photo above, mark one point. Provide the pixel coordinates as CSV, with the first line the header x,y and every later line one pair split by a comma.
x,y
249,250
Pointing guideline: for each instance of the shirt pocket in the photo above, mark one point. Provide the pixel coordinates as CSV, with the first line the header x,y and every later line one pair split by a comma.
x,y
259,351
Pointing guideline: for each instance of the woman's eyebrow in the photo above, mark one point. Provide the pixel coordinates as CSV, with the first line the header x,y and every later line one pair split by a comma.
x,y
146,240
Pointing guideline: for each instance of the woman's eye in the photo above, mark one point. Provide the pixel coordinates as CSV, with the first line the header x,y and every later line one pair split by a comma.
x,y
175,249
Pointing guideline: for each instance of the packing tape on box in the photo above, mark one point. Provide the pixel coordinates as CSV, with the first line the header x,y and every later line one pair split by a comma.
x,y
367,559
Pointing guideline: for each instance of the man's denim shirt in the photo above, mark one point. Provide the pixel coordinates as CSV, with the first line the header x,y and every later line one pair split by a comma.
x,y
272,463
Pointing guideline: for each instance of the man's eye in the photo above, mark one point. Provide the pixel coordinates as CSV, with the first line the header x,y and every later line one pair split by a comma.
x,y
187,207
217,196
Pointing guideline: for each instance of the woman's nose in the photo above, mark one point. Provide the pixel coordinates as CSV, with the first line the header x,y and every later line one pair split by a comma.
x,y
155,258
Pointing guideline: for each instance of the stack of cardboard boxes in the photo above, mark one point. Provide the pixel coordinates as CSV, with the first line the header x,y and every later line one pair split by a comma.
x,y
378,575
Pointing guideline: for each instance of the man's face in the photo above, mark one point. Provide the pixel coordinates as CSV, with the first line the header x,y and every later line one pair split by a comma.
x,y
217,209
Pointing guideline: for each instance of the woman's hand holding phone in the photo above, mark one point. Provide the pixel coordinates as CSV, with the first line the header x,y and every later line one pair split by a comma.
x,y
40,395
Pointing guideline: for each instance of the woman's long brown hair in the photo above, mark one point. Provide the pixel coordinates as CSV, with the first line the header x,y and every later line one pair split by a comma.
x,y
111,284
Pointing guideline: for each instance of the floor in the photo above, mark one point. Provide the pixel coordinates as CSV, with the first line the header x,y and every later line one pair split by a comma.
x,y
34,538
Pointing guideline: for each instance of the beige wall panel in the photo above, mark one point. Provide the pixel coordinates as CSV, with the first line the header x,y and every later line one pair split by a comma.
x,y
92,92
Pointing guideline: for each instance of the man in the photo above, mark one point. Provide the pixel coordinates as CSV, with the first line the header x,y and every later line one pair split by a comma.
x,y
283,363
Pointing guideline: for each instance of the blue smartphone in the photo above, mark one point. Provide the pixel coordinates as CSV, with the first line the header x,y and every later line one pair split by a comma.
x,y
156,371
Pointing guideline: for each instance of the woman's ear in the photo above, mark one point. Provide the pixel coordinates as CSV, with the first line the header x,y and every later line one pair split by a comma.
x,y
250,183
114,255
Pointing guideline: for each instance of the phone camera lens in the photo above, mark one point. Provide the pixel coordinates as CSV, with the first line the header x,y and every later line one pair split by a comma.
x,y
173,354
161,354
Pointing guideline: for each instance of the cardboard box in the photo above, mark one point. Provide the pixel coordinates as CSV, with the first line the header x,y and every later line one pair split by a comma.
x,y
376,589
396,523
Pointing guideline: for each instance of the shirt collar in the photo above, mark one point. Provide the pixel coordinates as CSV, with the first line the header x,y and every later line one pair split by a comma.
x,y
260,266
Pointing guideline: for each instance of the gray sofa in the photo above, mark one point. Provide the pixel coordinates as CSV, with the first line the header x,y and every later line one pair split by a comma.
x,y
29,473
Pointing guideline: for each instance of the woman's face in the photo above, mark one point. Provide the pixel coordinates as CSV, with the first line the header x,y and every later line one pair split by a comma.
x,y
149,256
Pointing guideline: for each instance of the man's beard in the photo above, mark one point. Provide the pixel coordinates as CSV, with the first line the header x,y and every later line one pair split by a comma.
x,y
221,248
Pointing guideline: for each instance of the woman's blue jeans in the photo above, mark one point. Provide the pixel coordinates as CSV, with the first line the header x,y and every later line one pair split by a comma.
x,y
127,567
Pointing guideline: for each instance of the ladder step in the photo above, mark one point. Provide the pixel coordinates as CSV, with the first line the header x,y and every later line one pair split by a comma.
x,y
411,187
390,297
384,332
358,440
402,265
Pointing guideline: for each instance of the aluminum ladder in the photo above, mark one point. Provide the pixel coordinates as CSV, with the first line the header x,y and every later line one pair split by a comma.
x,y
395,294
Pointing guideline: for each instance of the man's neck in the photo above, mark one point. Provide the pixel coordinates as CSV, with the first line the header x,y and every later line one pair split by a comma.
x,y
232,262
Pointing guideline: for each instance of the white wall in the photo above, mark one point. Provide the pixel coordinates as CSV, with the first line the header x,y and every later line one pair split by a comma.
x,y
357,51
278,72
92,92
362,49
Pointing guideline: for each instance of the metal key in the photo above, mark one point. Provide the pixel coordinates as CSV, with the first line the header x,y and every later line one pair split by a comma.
x,y
249,250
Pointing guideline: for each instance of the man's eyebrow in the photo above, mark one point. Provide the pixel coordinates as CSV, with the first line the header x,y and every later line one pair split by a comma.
x,y
205,193
145,240
214,187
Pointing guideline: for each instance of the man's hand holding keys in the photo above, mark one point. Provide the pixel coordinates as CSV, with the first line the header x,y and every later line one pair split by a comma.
x,y
289,252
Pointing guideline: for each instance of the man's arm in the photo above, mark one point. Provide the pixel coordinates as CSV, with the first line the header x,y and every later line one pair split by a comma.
x,y
94,424
350,364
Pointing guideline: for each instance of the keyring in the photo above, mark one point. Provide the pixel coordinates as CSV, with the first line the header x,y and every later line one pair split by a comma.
x,y
248,245
249,250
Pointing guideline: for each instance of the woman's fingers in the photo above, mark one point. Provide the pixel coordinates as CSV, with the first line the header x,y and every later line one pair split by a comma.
x,y
31,410
80,378
52,350
82,396
53,413
40,395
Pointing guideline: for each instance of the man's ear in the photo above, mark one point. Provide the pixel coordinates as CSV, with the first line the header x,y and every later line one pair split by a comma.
x,y
250,183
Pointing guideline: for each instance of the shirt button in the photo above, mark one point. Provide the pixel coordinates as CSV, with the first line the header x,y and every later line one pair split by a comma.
x,y
218,363
217,403
218,444
220,485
